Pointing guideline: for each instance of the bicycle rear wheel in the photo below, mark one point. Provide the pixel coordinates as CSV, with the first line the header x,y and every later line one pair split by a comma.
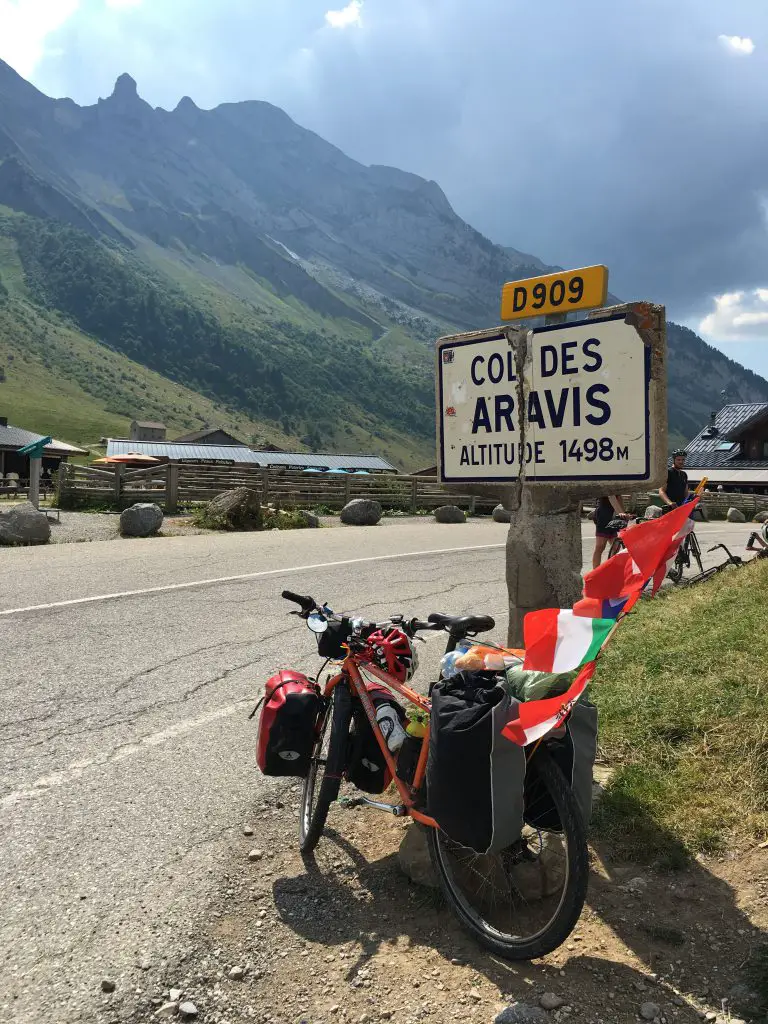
x,y
329,762
615,547
523,902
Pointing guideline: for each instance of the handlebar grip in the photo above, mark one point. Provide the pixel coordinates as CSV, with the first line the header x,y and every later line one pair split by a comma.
x,y
305,602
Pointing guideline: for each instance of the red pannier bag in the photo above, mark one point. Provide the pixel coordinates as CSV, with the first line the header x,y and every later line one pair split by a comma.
x,y
288,724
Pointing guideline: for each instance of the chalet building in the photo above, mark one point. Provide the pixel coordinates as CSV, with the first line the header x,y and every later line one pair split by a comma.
x,y
732,450
146,430
211,435
13,438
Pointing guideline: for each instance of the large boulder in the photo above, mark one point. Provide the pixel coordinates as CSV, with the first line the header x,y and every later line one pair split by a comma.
x,y
361,512
735,515
652,512
450,514
310,519
239,509
761,517
501,514
141,520
23,524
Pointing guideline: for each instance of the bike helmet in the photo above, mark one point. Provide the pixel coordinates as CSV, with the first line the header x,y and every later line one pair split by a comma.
x,y
393,653
679,451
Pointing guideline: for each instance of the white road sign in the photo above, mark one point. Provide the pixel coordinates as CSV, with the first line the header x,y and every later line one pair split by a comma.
x,y
582,411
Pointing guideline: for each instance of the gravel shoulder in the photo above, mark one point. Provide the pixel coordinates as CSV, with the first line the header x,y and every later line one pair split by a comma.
x,y
345,936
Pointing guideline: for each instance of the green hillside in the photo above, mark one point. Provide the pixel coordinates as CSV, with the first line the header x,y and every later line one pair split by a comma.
x,y
90,339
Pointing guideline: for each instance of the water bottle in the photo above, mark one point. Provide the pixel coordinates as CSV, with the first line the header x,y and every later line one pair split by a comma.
x,y
389,723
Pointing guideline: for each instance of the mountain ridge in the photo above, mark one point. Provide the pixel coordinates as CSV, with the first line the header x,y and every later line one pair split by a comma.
x,y
285,248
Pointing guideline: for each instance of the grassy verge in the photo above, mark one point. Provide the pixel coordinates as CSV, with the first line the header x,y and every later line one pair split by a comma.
x,y
683,699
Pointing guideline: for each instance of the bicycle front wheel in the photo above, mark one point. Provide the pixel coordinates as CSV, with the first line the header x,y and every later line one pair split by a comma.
x,y
696,552
328,764
523,902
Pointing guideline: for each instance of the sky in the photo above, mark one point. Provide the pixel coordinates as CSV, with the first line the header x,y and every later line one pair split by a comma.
x,y
626,132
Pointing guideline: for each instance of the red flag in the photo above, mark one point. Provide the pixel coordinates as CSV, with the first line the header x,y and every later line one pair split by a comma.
x,y
648,543
535,718
615,578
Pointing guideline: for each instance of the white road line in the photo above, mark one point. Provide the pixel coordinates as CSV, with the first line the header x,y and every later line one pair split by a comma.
x,y
245,576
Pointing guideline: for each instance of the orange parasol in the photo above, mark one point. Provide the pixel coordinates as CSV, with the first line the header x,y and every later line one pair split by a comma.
x,y
130,458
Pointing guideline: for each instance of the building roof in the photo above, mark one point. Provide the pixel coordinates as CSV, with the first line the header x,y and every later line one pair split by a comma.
x,y
16,437
198,435
324,460
175,451
730,422
149,424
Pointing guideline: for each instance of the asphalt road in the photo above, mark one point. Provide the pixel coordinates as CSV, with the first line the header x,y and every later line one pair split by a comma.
x,y
128,669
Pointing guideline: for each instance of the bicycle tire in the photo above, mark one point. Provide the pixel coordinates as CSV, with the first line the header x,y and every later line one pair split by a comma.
x,y
559,927
676,572
615,547
696,551
337,722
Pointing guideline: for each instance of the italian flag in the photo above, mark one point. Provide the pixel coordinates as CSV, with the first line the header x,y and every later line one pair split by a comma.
x,y
556,640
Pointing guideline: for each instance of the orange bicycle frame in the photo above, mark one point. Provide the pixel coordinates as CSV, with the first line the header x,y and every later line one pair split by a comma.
x,y
351,672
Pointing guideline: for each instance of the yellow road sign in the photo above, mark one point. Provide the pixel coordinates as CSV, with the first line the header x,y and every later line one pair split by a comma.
x,y
555,293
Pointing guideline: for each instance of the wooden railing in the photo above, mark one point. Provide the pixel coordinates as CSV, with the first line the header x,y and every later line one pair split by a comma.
x,y
172,485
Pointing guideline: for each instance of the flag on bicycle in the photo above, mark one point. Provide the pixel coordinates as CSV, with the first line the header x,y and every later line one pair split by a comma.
x,y
649,543
558,640
535,718
600,608
615,580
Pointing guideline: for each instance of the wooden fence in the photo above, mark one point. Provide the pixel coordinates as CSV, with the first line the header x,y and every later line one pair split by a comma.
x,y
172,485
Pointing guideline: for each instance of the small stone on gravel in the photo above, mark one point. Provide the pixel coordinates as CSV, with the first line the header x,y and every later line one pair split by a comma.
x,y
236,973
168,1010
145,964
247,830
549,1001
188,1009
175,995
255,855
107,985
650,1011
474,994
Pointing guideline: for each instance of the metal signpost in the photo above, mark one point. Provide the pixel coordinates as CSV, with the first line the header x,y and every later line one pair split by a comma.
x,y
549,416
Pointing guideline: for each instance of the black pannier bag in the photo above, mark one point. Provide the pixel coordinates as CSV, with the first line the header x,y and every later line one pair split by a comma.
x,y
574,748
475,776
367,768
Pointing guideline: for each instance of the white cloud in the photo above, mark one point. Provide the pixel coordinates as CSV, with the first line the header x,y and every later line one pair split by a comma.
x,y
738,44
24,26
738,316
349,15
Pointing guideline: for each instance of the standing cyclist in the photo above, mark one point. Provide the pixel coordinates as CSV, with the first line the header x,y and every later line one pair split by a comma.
x,y
675,491
609,508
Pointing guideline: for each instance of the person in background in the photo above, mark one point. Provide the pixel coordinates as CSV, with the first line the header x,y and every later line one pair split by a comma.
x,y
609,507
676,490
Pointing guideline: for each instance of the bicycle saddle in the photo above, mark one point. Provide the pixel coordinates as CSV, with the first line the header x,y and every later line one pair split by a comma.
x,y
461,625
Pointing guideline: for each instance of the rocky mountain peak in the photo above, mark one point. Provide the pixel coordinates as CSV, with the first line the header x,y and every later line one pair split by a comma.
x,y
125,88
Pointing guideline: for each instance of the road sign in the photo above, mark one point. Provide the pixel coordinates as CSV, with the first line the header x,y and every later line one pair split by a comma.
x,y
35,448
555,293
589,407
